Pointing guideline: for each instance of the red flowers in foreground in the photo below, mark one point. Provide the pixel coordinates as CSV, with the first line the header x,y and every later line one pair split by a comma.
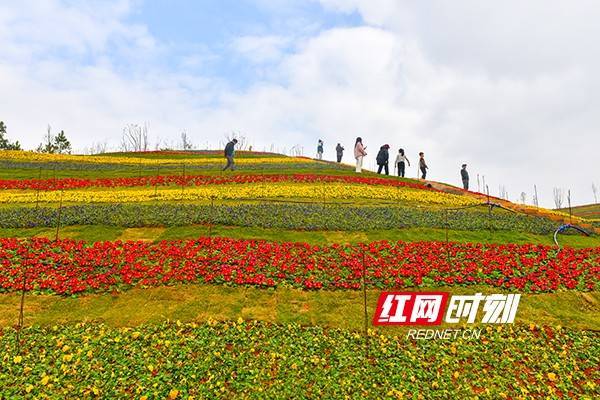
x,y
193,180
70,266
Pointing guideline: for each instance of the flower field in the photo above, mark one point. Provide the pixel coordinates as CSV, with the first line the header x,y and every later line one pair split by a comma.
x,y
256,360
274,355
272,215
250,191
19,156
196,180
68,266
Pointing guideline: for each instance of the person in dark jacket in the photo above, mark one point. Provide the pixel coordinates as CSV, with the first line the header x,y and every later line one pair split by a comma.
x,y
465,176
229,153
423,165
339,150
382,159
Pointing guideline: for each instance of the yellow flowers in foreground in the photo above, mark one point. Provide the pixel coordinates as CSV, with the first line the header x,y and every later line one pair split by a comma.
x,y
27,156
249,191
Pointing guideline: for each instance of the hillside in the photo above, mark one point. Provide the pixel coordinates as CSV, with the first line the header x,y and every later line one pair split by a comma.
x,y
136,263
589,211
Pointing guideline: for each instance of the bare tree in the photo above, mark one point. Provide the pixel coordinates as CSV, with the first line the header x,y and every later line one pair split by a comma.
x,y
185,142
97,148
47,146
502,192
242,140
135,138
523,197
296,151
559,197
595,190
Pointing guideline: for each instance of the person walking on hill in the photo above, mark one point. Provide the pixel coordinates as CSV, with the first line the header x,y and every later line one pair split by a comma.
x,y
383,158
339,151
360,152
320,150
401,162
423,165
465,176
229,153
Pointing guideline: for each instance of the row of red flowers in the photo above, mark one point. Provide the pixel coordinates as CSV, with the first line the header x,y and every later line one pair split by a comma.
x,y
68,266
194,180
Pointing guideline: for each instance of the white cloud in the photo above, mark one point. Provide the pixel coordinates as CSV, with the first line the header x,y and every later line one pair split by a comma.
x,y
261,49
463,83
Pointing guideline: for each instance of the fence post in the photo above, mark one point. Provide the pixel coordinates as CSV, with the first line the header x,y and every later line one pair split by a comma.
x,y
182,179
570,211
21,310
364,285
489,204
59,215
446,229
212,215
156,180
37,193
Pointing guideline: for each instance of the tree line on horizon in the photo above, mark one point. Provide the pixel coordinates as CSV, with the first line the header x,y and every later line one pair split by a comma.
x,y
54,144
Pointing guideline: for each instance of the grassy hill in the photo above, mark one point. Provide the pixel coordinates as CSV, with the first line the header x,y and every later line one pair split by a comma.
x,y
589,211
157,275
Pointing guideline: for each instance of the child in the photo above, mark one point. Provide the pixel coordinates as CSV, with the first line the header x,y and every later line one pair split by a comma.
x,y
400,162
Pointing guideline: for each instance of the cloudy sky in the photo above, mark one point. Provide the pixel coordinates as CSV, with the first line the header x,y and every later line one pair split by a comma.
x,y
512,87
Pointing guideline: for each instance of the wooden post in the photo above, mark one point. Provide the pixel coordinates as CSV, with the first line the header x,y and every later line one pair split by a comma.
x,y
37,193
182,178
364,285
489,209
446,228
59,216
156,180
212,214
570,211
21,309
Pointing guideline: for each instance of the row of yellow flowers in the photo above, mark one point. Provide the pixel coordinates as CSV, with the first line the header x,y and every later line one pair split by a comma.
x,y
250,191
28,156
546,212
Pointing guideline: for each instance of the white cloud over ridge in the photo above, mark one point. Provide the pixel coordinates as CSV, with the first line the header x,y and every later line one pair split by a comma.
x,y
510,89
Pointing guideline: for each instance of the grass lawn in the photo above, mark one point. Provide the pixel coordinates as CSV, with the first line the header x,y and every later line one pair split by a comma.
x,y
339,309
591,211
103,233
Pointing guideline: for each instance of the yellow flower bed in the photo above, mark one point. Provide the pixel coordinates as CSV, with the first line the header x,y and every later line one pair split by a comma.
x,y
28,156
546,212
250,191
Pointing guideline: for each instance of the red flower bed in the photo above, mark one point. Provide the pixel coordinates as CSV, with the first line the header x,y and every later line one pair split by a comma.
x,y
194,180
69,266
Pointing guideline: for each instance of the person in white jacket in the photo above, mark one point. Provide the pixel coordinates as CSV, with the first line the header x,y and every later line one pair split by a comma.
x,y
401,162
359,153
